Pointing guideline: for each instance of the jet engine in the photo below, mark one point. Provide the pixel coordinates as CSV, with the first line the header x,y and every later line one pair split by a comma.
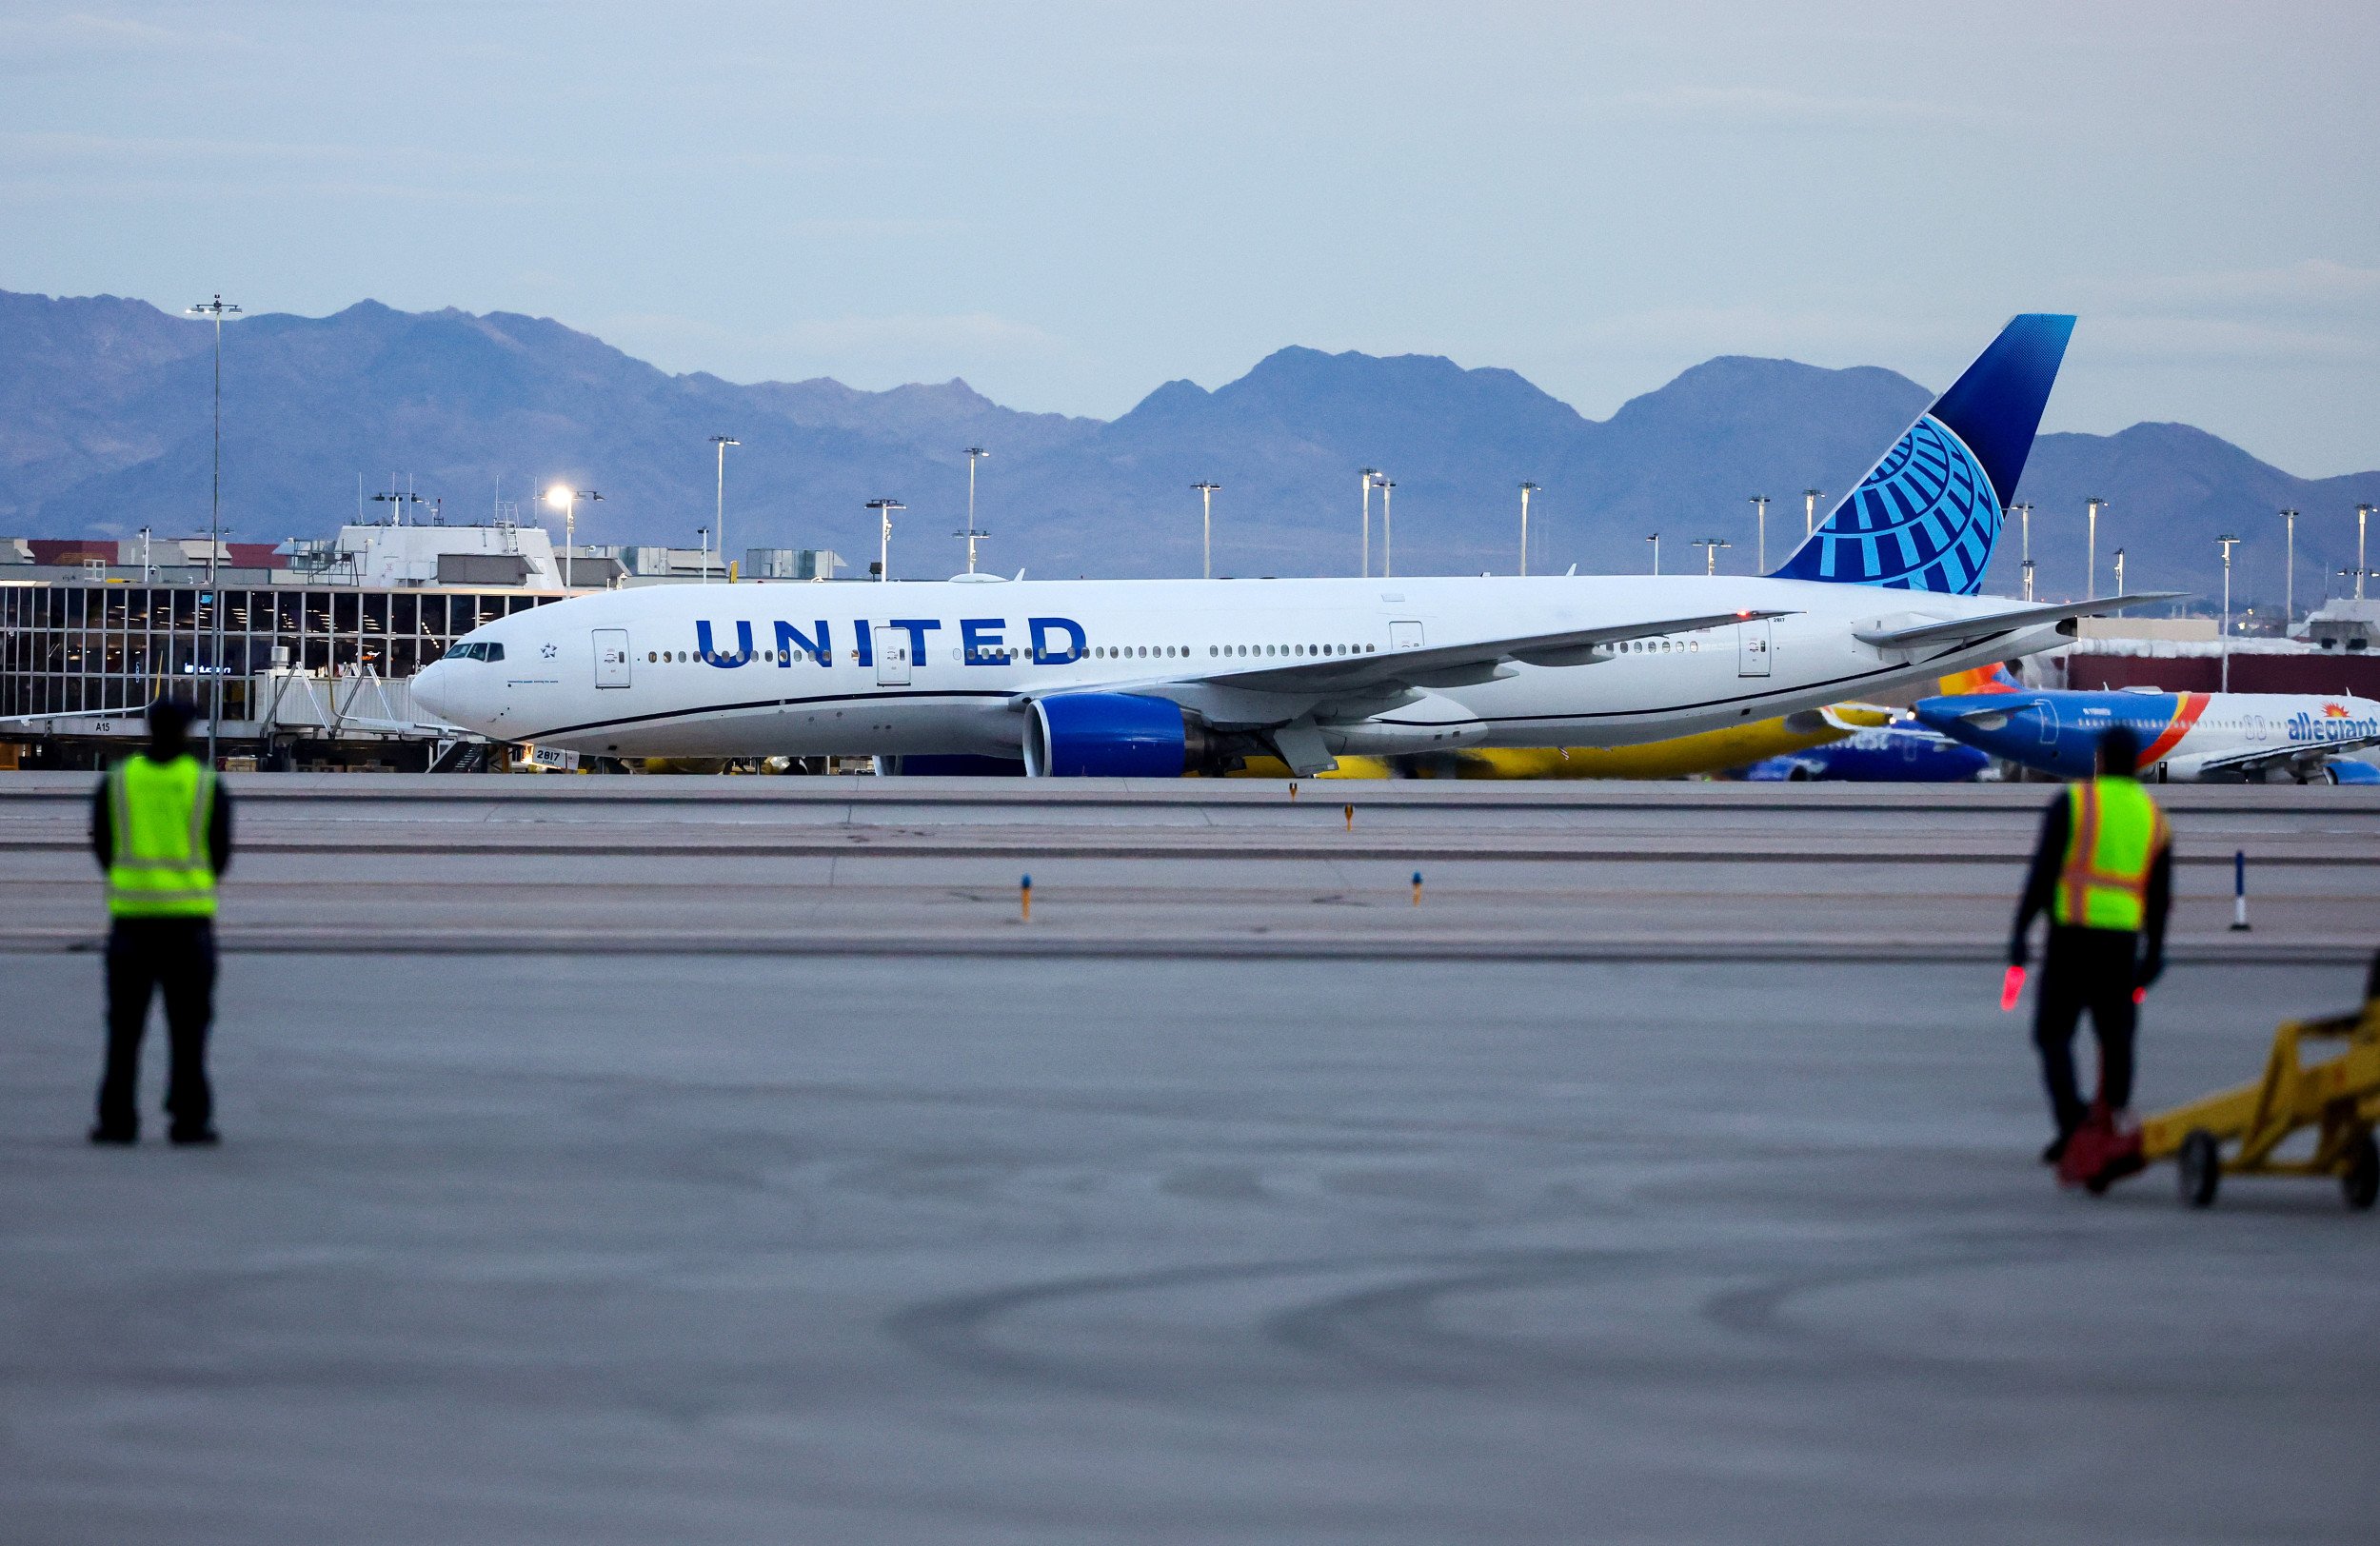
x,y
1113,735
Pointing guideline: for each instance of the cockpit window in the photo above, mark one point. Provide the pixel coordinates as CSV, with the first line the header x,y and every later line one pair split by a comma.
x,y
485,649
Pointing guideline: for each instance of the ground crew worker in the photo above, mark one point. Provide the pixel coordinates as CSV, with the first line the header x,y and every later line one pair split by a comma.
x,y
2103,872
161,827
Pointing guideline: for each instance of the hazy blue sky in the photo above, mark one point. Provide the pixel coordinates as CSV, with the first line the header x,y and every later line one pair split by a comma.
x,y
1068,204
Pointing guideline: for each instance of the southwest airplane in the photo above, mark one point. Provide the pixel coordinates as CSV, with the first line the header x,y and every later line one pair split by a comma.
x,y
2185,736
1899,753
1158,678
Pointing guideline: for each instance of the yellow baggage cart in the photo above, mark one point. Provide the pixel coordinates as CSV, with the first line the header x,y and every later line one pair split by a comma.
x,y
2339,1097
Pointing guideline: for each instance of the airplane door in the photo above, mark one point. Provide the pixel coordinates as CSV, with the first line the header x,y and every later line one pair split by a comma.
x,y
1752,648
892,655
2049,722
1404,636
611,657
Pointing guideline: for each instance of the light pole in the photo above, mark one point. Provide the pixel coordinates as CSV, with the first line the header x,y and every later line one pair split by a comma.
x,y
973,534
885,508
1388,535
2288,584
396,503
1655,540
1760,519
2091,586
2363,514
2226,543
1370,476
2119,571
1207,526
218,310
702,553
565,499
2024,548
1526,489
1710,547
1809,498
720,519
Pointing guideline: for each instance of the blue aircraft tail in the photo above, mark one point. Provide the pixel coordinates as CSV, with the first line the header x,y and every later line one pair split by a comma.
x,y
1927,517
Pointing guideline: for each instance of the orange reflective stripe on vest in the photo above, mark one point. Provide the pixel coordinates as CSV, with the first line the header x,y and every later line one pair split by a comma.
x,y
2114,833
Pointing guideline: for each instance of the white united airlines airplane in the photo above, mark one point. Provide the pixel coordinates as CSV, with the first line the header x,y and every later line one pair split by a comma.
x,y
1157,678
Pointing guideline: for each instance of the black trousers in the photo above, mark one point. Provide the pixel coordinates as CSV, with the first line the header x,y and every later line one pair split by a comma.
x,y
2093,969
144,955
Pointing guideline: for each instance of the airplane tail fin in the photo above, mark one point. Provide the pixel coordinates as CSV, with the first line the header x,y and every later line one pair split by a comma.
x,y
1985,679
1928,515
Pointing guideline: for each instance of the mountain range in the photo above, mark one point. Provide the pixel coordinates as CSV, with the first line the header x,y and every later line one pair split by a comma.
x,y
105,428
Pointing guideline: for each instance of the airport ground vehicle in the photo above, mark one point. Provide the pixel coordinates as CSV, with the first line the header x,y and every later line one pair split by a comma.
x,y
2337,1100
2338,1097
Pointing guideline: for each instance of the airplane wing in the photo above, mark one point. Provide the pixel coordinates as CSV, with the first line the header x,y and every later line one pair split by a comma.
x,y
1279,702
2309,755
1444,666
1972,629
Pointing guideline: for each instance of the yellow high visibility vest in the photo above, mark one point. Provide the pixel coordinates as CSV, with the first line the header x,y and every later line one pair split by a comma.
x,y
160,811
2115,833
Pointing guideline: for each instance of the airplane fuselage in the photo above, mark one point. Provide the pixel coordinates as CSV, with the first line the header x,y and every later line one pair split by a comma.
x,y
925,667
2185,736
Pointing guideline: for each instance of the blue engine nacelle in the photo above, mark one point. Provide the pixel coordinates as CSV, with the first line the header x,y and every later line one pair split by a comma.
x,y
1110,735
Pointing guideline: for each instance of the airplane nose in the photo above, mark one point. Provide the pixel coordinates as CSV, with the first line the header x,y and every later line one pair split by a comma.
x,y
431,690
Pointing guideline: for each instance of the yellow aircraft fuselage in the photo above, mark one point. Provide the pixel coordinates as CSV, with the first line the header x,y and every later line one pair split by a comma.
x,y
1713,751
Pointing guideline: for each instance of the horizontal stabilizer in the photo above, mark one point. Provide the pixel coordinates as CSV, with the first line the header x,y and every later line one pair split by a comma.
x,y
1966,631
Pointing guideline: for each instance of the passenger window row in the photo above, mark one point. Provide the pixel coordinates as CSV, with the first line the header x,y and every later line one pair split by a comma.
x,y
1104,653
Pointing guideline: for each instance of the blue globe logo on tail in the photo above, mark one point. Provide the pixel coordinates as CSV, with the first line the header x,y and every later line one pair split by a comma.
x,y
1924,520
1929,515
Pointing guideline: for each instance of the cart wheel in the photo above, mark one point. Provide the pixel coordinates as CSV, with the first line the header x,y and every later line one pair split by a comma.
x,y
2201,1166
2361,1182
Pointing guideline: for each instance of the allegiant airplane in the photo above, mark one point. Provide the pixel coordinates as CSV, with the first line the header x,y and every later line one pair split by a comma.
x,y
2185,736
1158,678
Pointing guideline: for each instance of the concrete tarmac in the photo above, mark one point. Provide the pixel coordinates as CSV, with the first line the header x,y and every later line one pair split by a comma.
x,y
724,1160
838,866
551,1248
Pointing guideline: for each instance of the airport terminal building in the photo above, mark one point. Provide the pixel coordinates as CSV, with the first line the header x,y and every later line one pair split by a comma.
x,y
310,643
313,644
